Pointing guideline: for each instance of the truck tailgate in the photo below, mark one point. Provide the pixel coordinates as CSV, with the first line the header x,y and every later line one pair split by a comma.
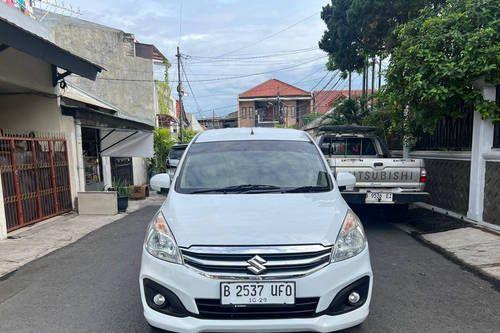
x,y
380,172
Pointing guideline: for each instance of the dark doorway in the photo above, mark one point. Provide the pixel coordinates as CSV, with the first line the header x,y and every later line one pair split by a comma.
x,y
121,170
92,161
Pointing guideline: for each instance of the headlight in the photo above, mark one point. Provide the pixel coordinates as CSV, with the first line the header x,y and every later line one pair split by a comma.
x,y
160,242
351,239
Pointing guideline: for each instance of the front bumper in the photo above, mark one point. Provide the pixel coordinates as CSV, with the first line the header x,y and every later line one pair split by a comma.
x,y
189,285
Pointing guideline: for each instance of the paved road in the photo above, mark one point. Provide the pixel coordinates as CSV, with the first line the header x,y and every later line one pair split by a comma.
x,y
92,286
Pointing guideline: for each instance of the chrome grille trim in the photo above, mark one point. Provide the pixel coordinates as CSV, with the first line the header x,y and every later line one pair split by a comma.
x,y
280,261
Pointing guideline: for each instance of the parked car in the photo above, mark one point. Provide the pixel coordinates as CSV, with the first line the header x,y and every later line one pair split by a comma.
x,y
380,178
255,236
174,156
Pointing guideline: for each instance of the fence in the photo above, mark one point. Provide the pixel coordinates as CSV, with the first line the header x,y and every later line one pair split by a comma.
x,y
450,133
35,179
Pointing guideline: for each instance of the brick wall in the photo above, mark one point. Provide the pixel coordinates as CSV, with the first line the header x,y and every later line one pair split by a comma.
x,y
448,184
492,193
246,114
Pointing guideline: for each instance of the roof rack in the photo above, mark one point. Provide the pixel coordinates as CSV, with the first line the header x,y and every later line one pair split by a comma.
x,y
347,129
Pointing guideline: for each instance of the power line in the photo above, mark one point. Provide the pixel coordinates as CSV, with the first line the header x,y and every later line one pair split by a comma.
x,y
222,78
191,90
271,55
270,36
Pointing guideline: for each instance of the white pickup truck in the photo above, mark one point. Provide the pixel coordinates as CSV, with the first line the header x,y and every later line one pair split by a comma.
x,y
380,178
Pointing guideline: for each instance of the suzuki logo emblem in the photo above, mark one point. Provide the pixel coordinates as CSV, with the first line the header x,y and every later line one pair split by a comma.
x,y
256,265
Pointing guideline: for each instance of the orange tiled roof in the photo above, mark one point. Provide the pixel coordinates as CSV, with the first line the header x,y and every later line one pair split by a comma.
x,y
272,87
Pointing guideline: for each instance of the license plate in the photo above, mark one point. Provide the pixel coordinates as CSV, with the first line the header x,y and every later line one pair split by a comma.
x,y
378,197
257,293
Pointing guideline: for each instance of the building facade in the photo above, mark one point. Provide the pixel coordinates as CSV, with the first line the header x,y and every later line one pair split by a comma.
x,y
273,103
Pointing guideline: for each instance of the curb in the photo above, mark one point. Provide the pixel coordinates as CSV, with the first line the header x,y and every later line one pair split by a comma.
x,y
456,260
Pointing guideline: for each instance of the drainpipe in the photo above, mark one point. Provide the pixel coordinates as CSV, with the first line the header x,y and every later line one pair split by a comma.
x,y
79,156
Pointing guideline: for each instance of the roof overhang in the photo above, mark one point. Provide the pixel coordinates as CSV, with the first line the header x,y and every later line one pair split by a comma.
x,y
274,98
99,119
12,35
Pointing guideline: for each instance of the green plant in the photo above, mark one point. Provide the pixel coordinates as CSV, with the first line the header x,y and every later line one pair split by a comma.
x,y
162,142
189,134
347,112
311,116
438,56
121,189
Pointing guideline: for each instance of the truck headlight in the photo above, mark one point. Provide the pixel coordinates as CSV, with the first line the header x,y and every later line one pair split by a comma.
x,y
351,239
160,242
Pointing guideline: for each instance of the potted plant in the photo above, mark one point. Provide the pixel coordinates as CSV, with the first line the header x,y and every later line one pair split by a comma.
x,y
122,193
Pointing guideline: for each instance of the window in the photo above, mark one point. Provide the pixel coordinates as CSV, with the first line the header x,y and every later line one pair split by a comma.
x,y
348,146
250,112
292,111
243,112
284,164
285,111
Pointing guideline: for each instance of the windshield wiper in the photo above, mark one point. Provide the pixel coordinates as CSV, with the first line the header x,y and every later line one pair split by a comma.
x,y
244,188
307,189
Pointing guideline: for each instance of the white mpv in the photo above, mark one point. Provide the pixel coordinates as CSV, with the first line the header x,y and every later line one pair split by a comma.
x,y
254,236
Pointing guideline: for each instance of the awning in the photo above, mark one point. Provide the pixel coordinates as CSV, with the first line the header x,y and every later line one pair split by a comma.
x,y
74,93
18,37
126,143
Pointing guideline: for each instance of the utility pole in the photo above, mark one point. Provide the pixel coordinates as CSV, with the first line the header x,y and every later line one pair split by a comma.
x,y
373,79
213,119
350,84
180,91
380,73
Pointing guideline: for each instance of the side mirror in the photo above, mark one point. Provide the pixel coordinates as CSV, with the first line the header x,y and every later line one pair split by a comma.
x,y
346,180
160,182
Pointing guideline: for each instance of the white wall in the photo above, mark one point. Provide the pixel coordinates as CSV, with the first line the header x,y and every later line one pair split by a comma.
x,y
139,171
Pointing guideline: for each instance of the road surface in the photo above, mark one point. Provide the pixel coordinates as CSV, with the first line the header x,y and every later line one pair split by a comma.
x,y
92,286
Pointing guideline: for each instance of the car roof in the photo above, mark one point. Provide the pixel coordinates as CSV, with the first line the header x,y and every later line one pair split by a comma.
x,y
254,134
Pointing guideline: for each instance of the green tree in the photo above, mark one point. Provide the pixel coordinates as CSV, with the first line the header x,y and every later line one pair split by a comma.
x,y
439,54
358,29
189,134
162,142
347,112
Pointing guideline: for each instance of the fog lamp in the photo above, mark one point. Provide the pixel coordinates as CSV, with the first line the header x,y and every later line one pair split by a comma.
x,y
159,299
353,298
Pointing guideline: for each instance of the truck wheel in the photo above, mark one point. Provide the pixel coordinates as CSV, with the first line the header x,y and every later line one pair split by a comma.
x,y
396,213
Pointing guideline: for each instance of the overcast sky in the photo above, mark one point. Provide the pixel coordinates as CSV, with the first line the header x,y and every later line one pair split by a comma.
x,y
232,29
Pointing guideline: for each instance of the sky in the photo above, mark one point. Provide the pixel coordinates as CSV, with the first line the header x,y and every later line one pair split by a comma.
x,y
228,46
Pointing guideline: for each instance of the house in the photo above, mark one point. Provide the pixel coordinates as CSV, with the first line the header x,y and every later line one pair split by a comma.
x,y
230,120
127,87
271,103
39,145
324,100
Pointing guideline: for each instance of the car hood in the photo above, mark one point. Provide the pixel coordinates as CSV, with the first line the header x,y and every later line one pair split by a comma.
x,y
255,219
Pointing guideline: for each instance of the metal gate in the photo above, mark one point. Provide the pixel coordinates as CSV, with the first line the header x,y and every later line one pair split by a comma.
x,y
35,179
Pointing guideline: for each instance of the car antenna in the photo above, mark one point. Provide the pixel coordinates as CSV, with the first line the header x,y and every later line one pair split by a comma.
x,y
251,131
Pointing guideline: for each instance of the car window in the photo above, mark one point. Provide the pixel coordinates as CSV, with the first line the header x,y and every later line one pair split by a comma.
x,y
175,154
349,146
284,164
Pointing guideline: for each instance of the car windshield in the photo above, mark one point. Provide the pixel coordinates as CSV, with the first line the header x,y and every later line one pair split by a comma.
x,y
253,167
176,154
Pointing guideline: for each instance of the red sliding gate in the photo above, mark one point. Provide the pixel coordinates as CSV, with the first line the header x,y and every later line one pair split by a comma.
x,y
35,179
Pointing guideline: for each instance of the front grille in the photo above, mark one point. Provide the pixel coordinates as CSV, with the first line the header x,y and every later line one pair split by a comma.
x,y
278,261
212,309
